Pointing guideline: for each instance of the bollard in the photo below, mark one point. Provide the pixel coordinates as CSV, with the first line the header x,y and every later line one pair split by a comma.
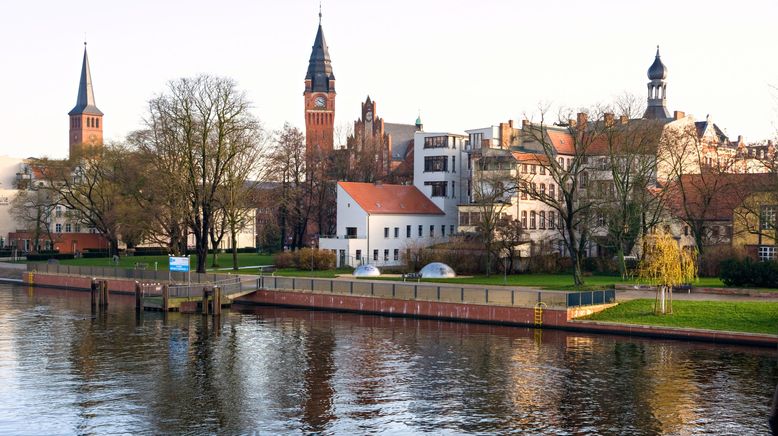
x,y
138,300
217,301
165,298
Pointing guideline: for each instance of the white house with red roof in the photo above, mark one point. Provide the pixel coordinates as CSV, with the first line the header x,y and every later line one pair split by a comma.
x,y
378,223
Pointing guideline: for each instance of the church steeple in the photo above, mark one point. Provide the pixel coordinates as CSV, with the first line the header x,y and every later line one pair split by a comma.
x,y
86,120
320,77
657,90
85,102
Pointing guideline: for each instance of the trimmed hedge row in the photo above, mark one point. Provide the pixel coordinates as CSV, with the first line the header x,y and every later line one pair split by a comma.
x,y
746,272
47,256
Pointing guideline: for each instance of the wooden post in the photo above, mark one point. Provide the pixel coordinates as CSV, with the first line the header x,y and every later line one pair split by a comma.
x,y
165,298
217,301
138,299
93,292
205,301
105,293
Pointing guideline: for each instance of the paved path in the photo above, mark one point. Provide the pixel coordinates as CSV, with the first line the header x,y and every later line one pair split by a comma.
x,y
632,295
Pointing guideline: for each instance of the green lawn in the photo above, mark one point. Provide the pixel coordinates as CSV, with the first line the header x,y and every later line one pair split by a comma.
x,y
550,281
224,259
735,316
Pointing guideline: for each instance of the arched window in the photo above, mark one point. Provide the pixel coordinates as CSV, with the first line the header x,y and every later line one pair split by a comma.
x,y
97,122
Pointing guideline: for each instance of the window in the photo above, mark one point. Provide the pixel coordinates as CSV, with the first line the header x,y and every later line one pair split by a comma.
x,y
443,231
561,163
436,142
396,232
451,229
68,228
58,212
453,165
351,232
438,188
532,169
524,168
432,231
551,189
407,231
453,189
420,230
560,222
532,219
582,180
464,219
375,255
523,219
767,218
542,219
78,228
686,230
551,218
359,255
58,228
386,232
97,122
435,163
561,196
542,170
542,190
767,252
396,254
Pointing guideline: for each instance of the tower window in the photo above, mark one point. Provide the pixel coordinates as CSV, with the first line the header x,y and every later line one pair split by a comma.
x,y
97,122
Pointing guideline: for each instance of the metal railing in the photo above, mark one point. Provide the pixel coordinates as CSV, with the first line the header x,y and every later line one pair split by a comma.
x,y
132,274
474,294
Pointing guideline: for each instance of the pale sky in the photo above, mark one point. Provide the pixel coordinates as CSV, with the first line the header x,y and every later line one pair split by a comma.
x,y
464,64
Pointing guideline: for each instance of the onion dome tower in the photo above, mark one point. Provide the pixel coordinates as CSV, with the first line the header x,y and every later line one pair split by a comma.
x,y
657,90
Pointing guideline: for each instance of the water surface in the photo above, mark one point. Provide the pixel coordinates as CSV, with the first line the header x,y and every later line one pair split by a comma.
x,y
66,370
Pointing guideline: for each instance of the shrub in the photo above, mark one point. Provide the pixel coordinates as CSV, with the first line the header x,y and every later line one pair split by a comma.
x,y
94,254
284,259
247,250
308,258
151,251
746,272
711,259
50,255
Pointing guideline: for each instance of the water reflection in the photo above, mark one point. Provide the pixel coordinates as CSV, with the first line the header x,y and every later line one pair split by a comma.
x,y
279,371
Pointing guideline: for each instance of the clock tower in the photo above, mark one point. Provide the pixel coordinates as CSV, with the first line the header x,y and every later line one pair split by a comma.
x,y
319,96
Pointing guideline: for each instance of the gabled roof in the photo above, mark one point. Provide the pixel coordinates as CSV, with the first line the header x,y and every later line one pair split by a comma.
x,y
382,199
319,65
85,102
539,158
714,197
562,141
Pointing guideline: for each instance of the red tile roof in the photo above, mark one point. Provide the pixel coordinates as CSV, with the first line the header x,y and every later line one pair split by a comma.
x,y
714,197
521,156
563,142
390,199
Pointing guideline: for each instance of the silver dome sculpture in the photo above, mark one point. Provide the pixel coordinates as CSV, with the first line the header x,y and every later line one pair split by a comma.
x,y
437,270
367,271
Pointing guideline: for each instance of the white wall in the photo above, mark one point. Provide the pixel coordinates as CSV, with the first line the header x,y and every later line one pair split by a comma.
x,y
458,173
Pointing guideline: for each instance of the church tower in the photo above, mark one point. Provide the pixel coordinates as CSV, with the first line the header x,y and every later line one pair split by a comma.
x,y
86,120
657,90
319,98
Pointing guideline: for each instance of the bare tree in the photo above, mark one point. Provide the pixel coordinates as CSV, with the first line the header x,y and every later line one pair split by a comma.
x,y
288,165
206,123
564,149
33,209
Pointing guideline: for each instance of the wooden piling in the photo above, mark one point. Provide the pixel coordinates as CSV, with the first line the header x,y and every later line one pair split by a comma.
x,y
165,298
93,292
105,293
217,301
138,298
205,301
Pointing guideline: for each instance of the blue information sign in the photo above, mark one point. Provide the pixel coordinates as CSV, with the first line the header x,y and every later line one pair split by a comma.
x,y
179,264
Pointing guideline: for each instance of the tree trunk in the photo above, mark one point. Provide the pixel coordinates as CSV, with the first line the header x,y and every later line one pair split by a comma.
x,y
234,239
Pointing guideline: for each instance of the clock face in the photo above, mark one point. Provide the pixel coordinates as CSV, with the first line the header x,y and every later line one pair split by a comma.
x,y
320,101
92,138
369,116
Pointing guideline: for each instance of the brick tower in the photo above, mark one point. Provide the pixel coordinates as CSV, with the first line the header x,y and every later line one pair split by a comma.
x,y
86,120
319,98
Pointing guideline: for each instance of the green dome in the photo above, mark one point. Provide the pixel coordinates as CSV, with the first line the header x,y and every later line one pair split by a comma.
x,y
418,120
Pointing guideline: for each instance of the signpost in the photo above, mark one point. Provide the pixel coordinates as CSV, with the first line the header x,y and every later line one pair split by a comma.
x,y
180,264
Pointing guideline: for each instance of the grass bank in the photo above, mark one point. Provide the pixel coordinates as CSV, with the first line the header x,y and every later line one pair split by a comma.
x,y
224,260
732,316
562,282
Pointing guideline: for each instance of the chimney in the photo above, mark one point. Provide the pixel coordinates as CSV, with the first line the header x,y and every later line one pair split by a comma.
x,y
505,134
677,115
581,119
510,123
609,118
524,123
623,119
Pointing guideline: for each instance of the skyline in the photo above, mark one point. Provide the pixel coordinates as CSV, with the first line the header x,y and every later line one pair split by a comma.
x,y
463,74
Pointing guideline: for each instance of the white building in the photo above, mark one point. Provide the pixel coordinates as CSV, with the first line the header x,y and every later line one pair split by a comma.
x,y
9,167
378,223
441,173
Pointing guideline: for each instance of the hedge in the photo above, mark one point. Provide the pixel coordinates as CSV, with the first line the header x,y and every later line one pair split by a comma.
x,y
58,256
746,272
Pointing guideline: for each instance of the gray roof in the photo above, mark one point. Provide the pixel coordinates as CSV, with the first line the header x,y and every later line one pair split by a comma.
x,y
402,138
319,65
656,112
85,103
702,126
657,70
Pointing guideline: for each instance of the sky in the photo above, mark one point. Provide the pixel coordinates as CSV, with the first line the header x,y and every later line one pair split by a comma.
x,y
461,64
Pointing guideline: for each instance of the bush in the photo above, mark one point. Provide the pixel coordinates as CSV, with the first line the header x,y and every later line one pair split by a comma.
x,y
746,272
151,251
301,259
247,250
711,259
94,254
50,255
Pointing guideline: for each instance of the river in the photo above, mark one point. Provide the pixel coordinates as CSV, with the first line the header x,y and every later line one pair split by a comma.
x,y
265,370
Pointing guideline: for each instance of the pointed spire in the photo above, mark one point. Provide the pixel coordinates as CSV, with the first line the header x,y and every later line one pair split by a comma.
x,y
319,65
85,102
